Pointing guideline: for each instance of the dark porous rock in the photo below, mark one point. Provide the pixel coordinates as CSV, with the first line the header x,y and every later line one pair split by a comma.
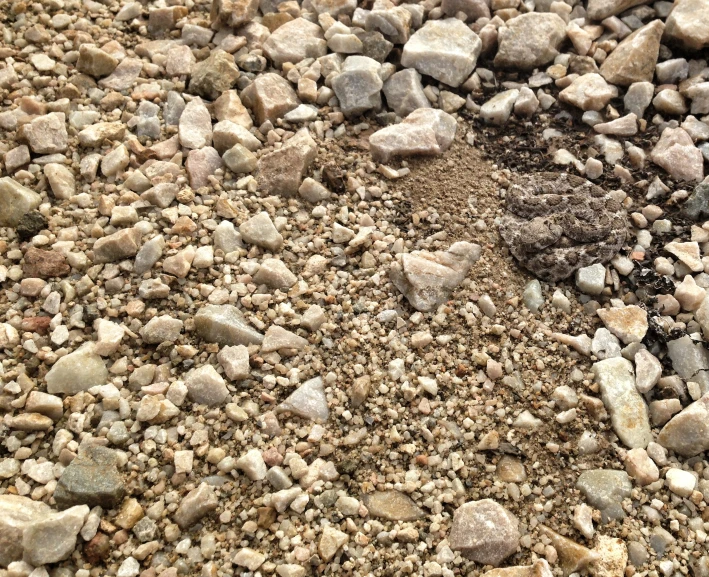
x,y
30,225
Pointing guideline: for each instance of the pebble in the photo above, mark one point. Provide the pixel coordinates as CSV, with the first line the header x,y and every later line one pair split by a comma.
x,y
392,506
605,490
308,401
484,532
446,50
629,414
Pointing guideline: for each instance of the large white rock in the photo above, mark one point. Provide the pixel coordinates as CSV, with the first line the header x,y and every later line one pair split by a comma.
x,y
529,40
446,50
358,87
308,401
427,279
629,413
588,92
676,153
76,372
688,432
295,41
426,132
33,532
404,92
688,23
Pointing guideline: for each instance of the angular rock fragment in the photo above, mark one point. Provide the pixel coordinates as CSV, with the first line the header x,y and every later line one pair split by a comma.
x,y
275,274
279,339
573,558
224,324
629,414
605,489
260,230
95,62
688,432
295,41
269,97
446,50
197,504
235,362
424,132
690,360
33,532
205,386
15,201
497,110
46,134
234,13
688,23
602,9
282,171
428,279
394,22
214,75
629,323
117,246
91,479
308,401
162,329
676,153
634,59
358,86
195,127
330,542
484,531
76,372
588,92
404,92
529,40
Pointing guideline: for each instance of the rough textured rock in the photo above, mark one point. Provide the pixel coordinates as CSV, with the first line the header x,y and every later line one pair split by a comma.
x,y
282,171
601,9
690,360
117,246
605,489
629,323
308,401
33,532
195,127
15,201
424,132
269,97
46,134
688,23
76,372
214,75
676,153
91,479
484,531
404,92
358,86
634,59
234,13
529,40
428,279
629,414
446,50
198,503
588,92
206,386
260,230
294,41
687,433
225,324
95,62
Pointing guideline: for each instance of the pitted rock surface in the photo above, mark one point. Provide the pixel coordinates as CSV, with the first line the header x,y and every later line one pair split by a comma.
x,y
557,223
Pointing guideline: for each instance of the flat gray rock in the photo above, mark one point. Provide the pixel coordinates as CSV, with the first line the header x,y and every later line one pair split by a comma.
x,y
224,324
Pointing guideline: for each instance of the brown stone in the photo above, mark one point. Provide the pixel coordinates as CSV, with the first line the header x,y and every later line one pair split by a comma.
x,y
44,264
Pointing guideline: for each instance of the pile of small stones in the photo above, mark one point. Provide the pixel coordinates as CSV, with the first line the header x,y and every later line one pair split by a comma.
x,y
224,354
